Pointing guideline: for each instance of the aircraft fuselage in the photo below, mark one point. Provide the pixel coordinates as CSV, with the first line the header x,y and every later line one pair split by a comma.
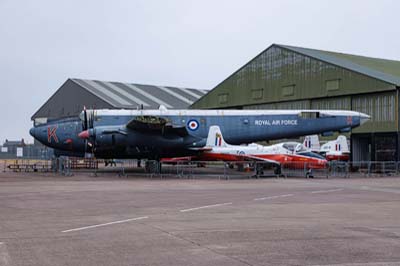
x,y
188,130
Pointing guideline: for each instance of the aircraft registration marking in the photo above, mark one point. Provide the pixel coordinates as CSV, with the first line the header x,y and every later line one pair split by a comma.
x,y
51,134
276,122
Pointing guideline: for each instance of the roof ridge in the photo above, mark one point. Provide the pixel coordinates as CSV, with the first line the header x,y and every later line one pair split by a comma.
x,y
344,62
140,84
341,53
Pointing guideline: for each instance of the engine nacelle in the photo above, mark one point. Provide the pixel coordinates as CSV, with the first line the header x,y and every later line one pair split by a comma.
x,y
109,137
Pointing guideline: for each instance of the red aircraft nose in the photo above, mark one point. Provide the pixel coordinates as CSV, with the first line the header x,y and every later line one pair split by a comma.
x,y
84,134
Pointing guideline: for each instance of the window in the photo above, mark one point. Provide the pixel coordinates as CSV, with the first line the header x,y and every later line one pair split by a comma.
x,y
332,85
257,94
223,98
288,90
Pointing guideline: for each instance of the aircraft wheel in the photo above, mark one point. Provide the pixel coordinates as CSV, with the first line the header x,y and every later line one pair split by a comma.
x,y
309,174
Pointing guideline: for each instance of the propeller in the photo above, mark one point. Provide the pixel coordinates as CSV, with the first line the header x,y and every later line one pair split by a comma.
x,y
88,133
87,130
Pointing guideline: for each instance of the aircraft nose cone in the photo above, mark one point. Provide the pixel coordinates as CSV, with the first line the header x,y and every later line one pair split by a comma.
x,y
364,118
32,132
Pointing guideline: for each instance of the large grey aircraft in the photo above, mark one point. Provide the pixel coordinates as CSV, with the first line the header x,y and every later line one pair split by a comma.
x,y
159,133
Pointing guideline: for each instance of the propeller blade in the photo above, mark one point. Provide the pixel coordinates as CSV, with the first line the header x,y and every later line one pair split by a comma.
x,y
85,122
87,133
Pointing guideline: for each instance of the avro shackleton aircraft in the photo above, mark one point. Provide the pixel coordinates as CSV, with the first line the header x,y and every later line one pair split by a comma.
x,y
293,154
160,133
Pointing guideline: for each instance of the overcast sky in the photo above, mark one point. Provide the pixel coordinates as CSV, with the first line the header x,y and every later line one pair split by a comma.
x,y
193,44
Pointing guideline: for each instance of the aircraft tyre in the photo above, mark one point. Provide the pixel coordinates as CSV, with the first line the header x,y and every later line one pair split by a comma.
x,y
309,174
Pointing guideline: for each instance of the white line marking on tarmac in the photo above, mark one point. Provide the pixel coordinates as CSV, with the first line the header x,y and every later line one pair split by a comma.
x,y
326,191
99,225
275,197
207,206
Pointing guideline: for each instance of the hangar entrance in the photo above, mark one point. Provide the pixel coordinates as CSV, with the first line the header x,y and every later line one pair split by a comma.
x,y
374,147
361,148
385,147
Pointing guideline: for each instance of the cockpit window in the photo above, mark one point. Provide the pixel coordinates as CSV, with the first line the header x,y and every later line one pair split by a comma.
x,y
289,146
292,146
300,148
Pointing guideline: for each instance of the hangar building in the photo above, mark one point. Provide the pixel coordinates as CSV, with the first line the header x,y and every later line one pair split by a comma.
x,y
74,94
287,77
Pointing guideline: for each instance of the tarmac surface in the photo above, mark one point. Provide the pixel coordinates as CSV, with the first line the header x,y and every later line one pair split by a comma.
x,y
83,220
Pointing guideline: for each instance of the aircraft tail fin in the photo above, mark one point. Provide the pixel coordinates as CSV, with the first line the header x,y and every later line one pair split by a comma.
x,y
215,138
312,142
341,144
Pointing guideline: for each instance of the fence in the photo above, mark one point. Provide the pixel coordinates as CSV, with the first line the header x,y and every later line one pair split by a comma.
x,y
26,165
199,169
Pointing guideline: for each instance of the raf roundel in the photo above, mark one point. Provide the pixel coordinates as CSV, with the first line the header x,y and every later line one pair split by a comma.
x,y
193,125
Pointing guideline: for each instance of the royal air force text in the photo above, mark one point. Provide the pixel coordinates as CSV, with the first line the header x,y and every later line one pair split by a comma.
x,y
281,122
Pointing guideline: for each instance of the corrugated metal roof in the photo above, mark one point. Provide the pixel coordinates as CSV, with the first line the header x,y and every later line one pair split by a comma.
x,y
382,69
131,96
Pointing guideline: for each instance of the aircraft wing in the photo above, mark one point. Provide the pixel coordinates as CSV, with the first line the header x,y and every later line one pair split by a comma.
x,y
175,160
201,149
256,158
155,124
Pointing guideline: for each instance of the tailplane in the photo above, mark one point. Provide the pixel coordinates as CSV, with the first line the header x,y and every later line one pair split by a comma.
x,y
341,144
215,138
312,143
